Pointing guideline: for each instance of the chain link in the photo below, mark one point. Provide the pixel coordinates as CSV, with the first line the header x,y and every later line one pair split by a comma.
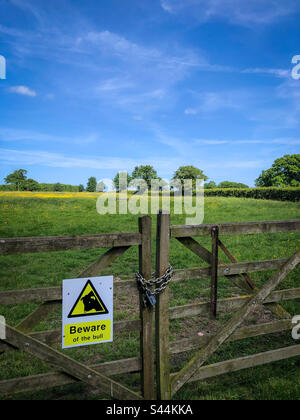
x,y
150,287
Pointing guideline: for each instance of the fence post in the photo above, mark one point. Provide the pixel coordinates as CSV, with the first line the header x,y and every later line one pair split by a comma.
x,y
162,309
214,272
146,314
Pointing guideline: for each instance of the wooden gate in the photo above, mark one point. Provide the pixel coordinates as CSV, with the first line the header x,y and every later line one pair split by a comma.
x,y
236,272
39,344
69,371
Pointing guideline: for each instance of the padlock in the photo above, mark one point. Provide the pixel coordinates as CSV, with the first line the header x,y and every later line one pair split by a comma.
x,y
151,300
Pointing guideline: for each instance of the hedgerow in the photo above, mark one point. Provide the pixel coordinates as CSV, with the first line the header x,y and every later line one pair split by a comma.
x,y
272,193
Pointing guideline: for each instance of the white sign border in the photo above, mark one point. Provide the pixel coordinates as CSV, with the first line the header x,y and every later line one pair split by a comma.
x,y
71,290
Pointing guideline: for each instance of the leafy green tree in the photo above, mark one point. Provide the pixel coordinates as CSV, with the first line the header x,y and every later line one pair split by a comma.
x,y
116,181
285,172
229,184
92,184
189,172
30,185
58,187
81,188
145,172
16,179
210,185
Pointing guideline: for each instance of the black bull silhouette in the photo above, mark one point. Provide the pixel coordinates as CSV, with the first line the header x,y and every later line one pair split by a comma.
x,y
90,302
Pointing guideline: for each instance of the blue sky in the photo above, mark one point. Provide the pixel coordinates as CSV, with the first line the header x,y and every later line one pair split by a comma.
x,y
95,86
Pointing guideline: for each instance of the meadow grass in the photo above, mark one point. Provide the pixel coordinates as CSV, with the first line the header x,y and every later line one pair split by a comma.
x,y
54,214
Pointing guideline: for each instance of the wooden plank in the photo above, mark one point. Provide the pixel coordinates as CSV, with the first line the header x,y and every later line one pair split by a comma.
x,y
199,359
146,313
228,305
248,228
224,306
196,248
50,380
66,364
225,270
178,312
235,365
103,262
52,337
196,342
12,297
162,309
10,246
35,318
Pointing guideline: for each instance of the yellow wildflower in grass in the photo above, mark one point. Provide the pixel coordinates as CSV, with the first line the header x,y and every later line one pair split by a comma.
x,y
40,194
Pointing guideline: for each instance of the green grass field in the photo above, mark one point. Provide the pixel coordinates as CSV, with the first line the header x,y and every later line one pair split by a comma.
x,y
35,216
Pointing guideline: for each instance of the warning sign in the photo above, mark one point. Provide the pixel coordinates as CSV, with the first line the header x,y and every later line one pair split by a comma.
x,y
88,303
87,311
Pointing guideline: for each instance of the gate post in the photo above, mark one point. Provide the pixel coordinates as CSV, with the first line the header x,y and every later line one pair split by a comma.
x,y
162,309
146,313
214,272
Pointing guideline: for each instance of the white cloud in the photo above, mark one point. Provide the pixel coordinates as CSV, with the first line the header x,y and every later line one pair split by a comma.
x,y
190,111
217,142
114,44
281,73
239,12
17,135
167,6
116,84
22,90
227,99
138,74
58,160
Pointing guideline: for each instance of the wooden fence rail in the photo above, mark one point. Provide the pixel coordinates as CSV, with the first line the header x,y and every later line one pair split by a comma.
x,y
9,246
9,297
245,228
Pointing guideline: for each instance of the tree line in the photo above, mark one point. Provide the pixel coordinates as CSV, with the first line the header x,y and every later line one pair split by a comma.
x,y
285,172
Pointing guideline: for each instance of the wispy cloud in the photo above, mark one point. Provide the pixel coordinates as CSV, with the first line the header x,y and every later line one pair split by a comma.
x,y
190,111
23,90
115,84
235,11
281,73
165,166
211,102
27,6
216,142
58,160
17,135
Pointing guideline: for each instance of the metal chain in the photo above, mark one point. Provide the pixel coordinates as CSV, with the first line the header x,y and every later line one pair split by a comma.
x,y
146,285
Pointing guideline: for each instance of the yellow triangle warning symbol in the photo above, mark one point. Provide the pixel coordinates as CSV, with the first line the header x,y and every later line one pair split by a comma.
x,y
88,303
